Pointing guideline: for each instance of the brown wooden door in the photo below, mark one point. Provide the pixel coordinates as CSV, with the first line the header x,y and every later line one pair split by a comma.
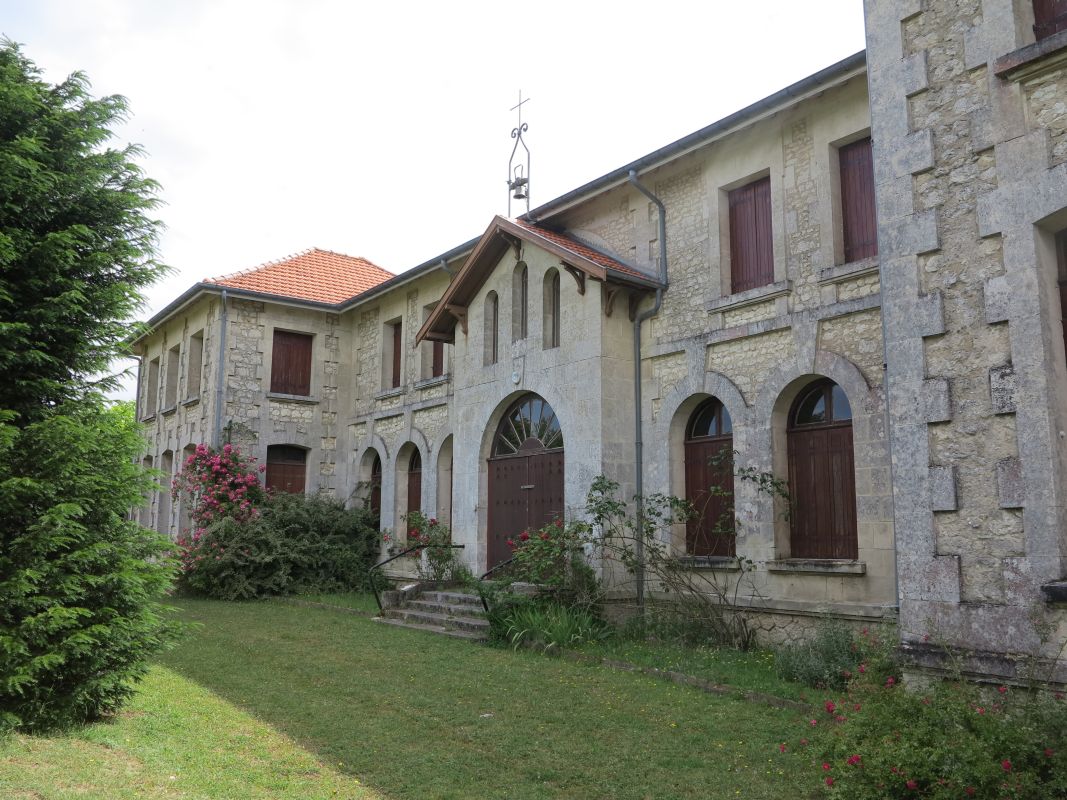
x,y
711,531
415,482
525,493
822,485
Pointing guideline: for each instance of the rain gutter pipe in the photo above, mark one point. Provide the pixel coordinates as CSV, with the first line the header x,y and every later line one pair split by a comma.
x,y
639,468
220,380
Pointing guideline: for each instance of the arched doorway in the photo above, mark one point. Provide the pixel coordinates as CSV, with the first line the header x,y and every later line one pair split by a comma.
x,y
822,474
525,474
709,480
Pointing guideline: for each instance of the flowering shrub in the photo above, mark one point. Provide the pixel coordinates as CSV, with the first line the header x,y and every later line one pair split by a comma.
x,y
834,656
218,483
294,544
553,558
956,740
438,563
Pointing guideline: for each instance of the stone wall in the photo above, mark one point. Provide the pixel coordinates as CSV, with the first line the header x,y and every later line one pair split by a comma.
x,y
964,184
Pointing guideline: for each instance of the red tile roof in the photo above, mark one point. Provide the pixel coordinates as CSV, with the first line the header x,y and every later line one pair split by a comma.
x,y
581,250
319,275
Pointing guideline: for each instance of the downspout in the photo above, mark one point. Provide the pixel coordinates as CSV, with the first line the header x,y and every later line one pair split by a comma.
x,y
220,378
639,466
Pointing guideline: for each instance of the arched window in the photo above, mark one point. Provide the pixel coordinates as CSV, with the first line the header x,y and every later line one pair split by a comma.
x,y
414,482
374,500
551,315
520,283
286,468
709,480
492,328
822,475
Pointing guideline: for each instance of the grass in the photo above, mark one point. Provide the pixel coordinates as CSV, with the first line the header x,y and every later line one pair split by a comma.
x,y
751,671
417,716
175,740
359,601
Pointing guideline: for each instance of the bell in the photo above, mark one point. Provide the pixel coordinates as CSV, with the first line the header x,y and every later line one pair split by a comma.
x,y
520,189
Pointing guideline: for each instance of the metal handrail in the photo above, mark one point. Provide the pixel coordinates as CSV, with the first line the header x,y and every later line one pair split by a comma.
x,y
486,574
371,572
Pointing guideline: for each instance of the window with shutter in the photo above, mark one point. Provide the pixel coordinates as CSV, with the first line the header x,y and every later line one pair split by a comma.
x,y
1050,16
751,252
859,228
286,468
398,344
290,370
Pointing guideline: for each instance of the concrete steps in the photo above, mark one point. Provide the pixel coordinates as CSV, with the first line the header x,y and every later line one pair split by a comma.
x,y
445,613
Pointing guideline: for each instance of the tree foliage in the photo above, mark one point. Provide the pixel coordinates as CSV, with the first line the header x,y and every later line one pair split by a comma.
x,y
80,583
78,580
76,242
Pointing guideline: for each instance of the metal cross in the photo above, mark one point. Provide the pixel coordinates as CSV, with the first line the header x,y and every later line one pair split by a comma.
x,y
519,107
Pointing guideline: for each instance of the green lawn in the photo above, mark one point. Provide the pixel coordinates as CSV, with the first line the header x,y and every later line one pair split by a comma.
x,y
358,601
417,716
175,740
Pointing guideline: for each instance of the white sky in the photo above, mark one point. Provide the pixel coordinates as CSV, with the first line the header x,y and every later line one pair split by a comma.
x,y
383,129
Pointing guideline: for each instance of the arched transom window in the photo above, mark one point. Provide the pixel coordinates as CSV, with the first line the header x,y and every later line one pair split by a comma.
x,y
530,424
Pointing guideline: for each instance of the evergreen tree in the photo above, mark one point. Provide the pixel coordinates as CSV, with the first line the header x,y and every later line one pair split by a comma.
x,y
76,242
80,583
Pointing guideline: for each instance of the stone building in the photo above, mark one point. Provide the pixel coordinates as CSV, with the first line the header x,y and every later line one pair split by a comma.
x,y
853,284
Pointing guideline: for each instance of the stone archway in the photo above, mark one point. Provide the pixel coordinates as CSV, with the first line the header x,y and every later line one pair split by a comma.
x,y
526,467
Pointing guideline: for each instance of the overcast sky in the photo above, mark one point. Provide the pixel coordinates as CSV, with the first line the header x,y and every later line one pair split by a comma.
x,y
383,129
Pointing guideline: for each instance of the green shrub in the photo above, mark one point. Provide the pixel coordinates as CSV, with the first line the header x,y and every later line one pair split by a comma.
x,y
296,544
953,741
834,656
80,584
553,558
438,561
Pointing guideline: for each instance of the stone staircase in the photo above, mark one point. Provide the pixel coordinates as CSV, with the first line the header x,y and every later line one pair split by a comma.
x,y
446,613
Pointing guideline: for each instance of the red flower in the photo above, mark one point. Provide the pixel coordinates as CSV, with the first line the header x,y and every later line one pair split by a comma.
x,y
814,722
1002,689
856,707
825,766
830,707
1049,752
839,718
970,791
890,681
862,668
524,536
854,760
781,747
1006,765
912,784
803,741
511,543
829,781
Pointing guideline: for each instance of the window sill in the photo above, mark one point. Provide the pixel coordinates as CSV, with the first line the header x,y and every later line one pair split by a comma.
x,y
385,394
844,272
166,412
1033,60
190,401
716,563
293,398
149,417
437,380
819,566
750,297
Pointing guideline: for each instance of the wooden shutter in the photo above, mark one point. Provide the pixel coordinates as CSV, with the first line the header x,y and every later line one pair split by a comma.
x,y
438,367
286,469
859,228
1050,16
290,370
751,251
710,532
822,485
415,482
398,343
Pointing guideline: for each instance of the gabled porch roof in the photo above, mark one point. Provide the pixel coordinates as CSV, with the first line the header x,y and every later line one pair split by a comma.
x,y
578,259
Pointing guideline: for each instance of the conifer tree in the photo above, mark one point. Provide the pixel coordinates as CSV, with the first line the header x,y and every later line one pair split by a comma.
x,y
80,582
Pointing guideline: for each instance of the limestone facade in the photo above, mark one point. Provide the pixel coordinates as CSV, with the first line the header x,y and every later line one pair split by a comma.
x,y
947,343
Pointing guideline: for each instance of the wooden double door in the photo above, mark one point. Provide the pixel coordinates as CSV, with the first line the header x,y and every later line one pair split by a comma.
x,y
525,493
